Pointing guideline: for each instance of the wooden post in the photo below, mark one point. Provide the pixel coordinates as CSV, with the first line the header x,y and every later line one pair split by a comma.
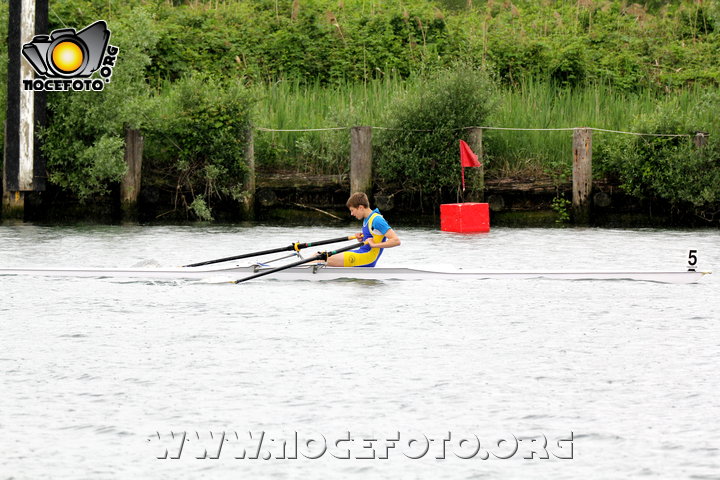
x,y
700,139
23,165
13,205
582,174
247,203
361,159
476,176
130,185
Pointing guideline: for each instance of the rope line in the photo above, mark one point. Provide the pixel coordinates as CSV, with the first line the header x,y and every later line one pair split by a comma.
x,y
521,129
301,129
401,129
263,129
646,134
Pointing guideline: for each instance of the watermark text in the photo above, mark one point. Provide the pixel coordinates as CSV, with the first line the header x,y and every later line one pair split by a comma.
x,y
261,445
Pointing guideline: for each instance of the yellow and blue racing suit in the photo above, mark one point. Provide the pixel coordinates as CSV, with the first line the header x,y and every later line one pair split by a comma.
x,y
374,227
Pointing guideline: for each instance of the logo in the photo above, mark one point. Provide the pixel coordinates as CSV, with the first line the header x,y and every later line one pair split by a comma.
x,y
66,59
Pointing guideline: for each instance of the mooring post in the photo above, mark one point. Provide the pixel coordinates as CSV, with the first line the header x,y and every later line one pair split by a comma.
x,y
23,165
476,176
130,185
361,159
13,205
247,203
700,139
582,174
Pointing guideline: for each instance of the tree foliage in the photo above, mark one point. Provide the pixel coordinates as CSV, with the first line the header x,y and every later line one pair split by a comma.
x,y
419,150
629,46
675,169
182,67
197,141
84,141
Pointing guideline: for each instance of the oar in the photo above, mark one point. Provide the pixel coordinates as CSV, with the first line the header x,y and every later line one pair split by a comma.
x,y
295,246
319,256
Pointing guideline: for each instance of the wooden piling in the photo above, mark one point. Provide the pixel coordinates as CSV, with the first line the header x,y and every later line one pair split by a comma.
x,y
475,176
130,185
247,202
582,174
700,139
361,159
13,205
23,165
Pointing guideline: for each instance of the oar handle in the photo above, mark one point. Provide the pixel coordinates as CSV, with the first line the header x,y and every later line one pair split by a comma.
x,y
295,246
320,256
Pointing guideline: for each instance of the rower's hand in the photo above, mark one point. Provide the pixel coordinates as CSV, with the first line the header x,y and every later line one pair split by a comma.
x,y
359,236
371,243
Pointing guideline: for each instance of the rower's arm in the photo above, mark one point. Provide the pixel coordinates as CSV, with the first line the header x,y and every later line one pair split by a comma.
x,y
391,240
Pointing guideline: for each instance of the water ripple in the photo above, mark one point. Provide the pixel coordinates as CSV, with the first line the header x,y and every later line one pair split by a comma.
x,y
92,366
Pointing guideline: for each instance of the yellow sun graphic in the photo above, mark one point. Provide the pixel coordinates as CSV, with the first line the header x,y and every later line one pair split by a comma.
x,y
67,56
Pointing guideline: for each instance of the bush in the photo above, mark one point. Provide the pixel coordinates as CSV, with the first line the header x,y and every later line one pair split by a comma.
x,y
674,169
568,65
309,40
197,140
419,151
84,140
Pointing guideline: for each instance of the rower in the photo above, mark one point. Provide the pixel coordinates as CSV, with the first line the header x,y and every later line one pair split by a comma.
x,y
376,233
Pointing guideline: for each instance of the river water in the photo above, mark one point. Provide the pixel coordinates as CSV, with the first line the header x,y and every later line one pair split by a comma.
x,y
442,379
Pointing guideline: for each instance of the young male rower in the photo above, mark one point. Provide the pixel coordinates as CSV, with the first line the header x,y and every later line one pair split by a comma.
x,y
375,231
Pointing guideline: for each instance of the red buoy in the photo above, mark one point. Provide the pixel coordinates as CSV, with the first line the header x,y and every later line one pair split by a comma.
x,y
465,217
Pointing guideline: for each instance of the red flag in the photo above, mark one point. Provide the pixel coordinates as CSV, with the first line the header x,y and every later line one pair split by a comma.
x,y
467,159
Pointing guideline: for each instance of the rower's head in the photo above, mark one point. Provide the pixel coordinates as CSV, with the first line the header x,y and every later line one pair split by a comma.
x,y
359,205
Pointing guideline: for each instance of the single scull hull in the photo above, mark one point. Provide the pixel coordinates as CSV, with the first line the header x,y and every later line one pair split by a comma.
x,y
313,272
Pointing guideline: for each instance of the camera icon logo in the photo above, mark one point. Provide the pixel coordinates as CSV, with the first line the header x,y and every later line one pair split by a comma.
x,y
66,54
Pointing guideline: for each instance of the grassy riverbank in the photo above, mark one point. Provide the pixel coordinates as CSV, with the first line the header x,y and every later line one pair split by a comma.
x,y
291,104
195,76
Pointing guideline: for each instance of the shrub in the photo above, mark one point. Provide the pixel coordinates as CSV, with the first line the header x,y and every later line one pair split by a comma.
x,y
568,65
197,140
419,151
671,168
84,140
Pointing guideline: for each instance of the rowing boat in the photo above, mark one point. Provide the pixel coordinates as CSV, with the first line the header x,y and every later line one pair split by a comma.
x,y
321,272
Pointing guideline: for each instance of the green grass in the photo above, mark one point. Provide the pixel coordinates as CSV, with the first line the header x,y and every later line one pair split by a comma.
x,y
533,104
289,104
540,105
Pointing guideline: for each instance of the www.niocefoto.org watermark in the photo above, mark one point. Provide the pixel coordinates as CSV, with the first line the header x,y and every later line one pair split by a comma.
x,y
261,445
